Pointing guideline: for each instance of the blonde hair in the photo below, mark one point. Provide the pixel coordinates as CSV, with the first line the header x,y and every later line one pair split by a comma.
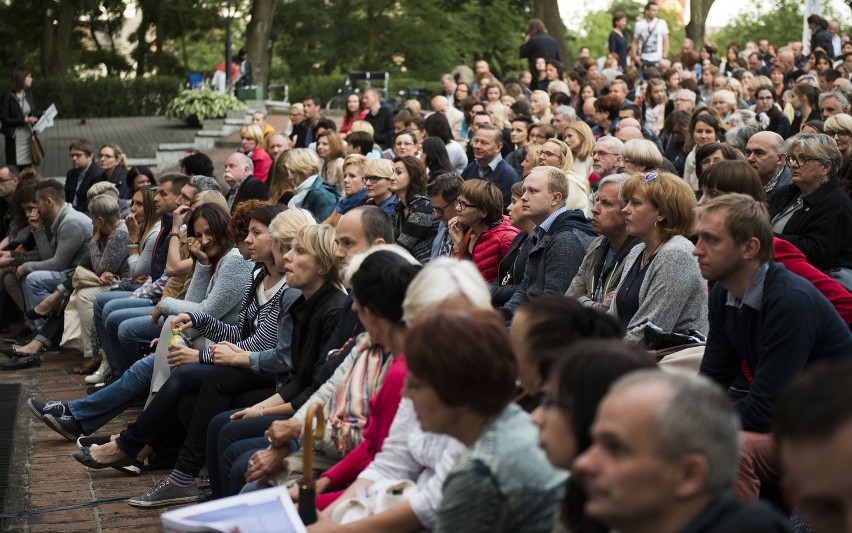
x,y
302,163
211,197
319,242
287,224
642,153
104,206
564,154
254,132
355,159
543,100
587,139
102,187
378,167
363,125
118,152
501,115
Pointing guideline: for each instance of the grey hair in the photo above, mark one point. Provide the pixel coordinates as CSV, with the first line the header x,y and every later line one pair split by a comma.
x,y
841,99
744,117
818,146
738,136
245,162
615,143
204,183
617,179
726,96
566,111
104,206
356,260
698,417
440,280
686,93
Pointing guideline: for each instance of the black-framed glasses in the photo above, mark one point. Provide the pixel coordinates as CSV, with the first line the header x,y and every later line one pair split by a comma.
x,y
800,160
442,210
374,179
461,205
548,153
838,133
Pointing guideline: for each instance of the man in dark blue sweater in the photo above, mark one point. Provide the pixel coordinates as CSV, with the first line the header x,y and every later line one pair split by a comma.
x,y
766,323
489,164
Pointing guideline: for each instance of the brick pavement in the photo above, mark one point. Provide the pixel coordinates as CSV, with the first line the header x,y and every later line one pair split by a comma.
x,y
44,473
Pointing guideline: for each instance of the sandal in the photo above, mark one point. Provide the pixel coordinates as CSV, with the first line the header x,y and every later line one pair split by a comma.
x,y
89,366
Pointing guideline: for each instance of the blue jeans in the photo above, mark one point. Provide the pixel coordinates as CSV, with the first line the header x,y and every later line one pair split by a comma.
x,y
99,408
111,309
38,286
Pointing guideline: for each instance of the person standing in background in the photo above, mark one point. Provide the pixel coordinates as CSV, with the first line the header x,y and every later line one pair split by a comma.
x,y
17,116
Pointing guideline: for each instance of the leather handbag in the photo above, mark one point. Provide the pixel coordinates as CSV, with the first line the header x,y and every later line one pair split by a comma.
x,y
37,149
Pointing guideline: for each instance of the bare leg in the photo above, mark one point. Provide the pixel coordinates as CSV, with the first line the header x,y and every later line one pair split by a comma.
x,y
108,453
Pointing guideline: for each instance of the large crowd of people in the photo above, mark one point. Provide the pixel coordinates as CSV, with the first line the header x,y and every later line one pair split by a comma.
x,y
585,298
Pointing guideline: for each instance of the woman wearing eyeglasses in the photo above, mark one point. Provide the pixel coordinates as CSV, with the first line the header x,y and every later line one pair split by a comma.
x,y
405,143
814,213
413,224
377,173
480,231
114,164
839,128
661,282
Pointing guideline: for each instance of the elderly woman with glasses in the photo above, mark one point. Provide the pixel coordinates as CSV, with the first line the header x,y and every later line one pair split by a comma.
x,y
814,213
661,282
480,231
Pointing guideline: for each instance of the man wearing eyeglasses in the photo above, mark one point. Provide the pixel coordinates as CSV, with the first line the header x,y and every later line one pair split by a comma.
x,y
606,156
443,193
765,153
84,172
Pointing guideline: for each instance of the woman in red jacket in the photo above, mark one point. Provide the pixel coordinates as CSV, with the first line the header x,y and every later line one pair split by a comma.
x,y
480,231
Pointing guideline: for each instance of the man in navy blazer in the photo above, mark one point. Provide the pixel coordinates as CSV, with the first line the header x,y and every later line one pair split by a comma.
x,y
84,172
489,164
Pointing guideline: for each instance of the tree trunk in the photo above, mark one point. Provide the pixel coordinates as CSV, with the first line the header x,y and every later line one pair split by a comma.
x,y
698,10
158,39
57,28
548,12
257,40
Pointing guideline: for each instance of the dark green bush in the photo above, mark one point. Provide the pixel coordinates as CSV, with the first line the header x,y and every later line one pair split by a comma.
x,y
107,97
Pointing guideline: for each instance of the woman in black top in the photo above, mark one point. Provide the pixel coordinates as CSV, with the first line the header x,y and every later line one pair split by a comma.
x,y
17,116
617,45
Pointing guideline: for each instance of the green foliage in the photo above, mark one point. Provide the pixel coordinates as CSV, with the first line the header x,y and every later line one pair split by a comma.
x,y
107,97
203,103
598,25
780,21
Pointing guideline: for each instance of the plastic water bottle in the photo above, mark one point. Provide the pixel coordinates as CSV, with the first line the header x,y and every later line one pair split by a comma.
x,y
177,339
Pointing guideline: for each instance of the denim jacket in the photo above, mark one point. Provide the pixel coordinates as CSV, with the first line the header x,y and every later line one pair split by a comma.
x,y
504,481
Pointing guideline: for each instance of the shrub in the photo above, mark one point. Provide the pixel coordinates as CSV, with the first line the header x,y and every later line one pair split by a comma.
x,y
107,97
202,103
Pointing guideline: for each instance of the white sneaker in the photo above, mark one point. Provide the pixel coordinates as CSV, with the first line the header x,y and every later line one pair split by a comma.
x,y
101,374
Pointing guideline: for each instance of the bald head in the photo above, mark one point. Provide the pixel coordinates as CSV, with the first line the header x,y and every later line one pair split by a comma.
x,y
628,133
439,104
765,153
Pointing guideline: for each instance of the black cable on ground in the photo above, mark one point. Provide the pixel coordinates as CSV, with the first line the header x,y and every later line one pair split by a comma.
x,y
35,512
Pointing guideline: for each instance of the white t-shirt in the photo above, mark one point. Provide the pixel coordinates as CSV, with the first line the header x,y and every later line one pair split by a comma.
x,y
650,35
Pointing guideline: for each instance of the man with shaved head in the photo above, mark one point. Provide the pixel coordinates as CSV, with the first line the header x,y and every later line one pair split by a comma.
x,y
766,154
628,133
441,105
606,156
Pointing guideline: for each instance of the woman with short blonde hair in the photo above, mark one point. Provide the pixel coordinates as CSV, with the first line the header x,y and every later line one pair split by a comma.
x,y
311,192
251,144
354,192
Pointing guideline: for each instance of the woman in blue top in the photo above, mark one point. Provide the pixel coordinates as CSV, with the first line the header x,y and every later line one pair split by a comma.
x,y
312,193
617,45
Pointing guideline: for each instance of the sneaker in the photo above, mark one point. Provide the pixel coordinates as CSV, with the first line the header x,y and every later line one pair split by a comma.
x,y
166,492
87,442
64,425
50,407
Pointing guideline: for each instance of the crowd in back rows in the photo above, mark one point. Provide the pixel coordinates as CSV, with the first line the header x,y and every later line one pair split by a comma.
x,y
571,219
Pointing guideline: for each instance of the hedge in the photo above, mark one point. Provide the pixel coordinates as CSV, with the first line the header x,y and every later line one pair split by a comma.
x,y
107,97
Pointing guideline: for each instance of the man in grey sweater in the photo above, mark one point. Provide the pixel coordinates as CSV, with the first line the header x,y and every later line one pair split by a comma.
x,y
559,242
61,248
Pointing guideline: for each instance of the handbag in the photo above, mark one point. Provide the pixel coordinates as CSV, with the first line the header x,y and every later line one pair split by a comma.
x,y
37,149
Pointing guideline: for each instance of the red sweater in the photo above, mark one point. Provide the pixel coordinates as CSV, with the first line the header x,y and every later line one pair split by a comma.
x,y
794,260
491,247
262,163
383,406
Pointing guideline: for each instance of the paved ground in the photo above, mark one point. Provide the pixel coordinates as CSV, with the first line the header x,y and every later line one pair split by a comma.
x,y
45,475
